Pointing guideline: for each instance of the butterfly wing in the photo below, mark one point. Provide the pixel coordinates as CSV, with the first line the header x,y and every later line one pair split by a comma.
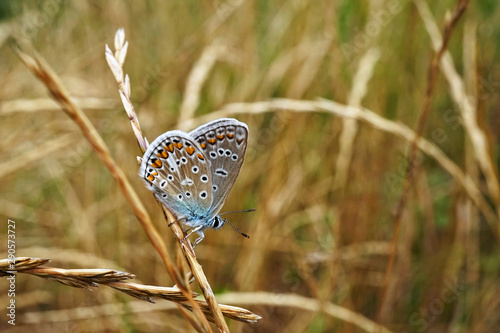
x,y
176,170
224,143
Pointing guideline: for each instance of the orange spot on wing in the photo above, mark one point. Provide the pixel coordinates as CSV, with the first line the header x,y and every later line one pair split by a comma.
x,y
178,145
203,145
157,164
151,178
155,174
170,148
211,141
190,150
239,141
220,137
200,156
229,135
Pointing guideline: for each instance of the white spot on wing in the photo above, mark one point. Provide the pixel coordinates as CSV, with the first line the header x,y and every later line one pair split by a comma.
x,y
221,172
187,181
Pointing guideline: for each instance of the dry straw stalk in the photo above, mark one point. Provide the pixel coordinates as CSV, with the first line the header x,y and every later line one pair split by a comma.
x,y
466,104
386,299
88,278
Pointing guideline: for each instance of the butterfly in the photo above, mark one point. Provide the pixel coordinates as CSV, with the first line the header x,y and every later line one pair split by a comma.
x,y
193,173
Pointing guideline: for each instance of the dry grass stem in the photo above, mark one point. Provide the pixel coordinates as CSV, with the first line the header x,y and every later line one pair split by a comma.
x,y
88,278
197,78
246,299
350,252
197,271
350,126
311,64
386,299
232,312
279,68
466,105
26,159
5,31
367,116
222,14
302,303
47,104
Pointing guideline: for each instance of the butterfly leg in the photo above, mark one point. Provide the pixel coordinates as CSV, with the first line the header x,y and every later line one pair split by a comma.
x,y
199,239
182,218
199,231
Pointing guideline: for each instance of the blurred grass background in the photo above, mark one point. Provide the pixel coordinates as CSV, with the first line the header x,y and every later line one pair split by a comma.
x,y
313,234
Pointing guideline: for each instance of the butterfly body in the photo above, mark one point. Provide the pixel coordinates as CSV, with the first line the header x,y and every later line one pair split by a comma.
x,y
193,173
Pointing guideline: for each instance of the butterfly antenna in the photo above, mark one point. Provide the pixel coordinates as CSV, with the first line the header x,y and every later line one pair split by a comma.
x,y
243,234
239,211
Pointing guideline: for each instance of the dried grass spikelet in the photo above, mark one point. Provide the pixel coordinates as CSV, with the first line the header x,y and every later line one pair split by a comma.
x,y
231,312
88,278
20,264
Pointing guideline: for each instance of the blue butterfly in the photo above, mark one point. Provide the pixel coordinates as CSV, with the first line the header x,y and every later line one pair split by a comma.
x,y
193,173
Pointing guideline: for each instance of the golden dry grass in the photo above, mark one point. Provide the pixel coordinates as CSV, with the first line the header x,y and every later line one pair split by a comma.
x,y
332,93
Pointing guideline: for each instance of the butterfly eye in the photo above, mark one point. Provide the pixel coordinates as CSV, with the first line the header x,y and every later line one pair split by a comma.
x,y
217,223
213,154
203,194
234,157
221,151
204,178
180,197
214,188
188,194
228,153
184,160
195,169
